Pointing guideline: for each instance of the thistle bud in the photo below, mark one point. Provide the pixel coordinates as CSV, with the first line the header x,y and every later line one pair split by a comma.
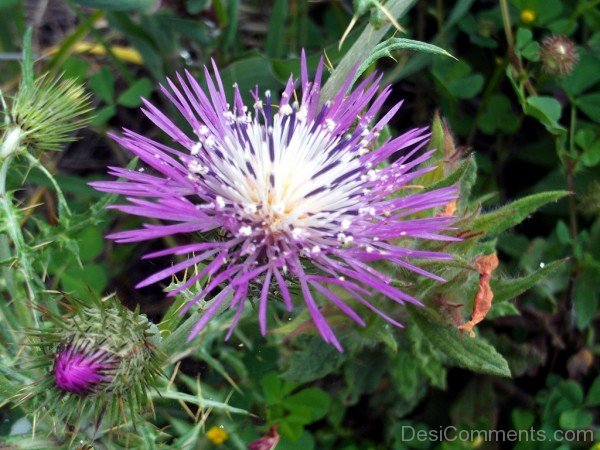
x,y
44,114
83,368
558,55
100,359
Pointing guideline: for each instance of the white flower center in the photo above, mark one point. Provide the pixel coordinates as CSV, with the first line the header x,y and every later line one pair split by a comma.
x,y
304,184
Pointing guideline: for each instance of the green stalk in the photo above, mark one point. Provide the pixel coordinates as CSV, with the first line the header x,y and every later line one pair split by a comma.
x,y
6,313
176,345
26,314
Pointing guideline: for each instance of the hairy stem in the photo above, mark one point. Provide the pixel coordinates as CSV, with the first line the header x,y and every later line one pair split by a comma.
x,y
23,306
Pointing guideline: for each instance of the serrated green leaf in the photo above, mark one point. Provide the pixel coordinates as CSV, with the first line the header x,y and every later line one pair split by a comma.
x,y
198,400
507,289
361,50
508,216
385,49
470,353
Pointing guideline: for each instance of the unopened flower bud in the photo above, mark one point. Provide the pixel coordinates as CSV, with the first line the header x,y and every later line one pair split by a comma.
x,y
47,112
80,367
558,55
101,359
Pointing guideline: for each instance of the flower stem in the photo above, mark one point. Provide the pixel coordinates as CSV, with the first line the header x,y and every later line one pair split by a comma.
x,y
26,314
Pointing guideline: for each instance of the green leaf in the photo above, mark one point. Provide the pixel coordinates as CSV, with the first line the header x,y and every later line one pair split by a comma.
x,y
585,296
314,361
591,156
467,87
104,115
249,73
575,419
310,404
76,68
470,353
508,289
547,110
502,310
102,83
522,419
454,177
117,5
457,79
508,216
584,75
91,243
523,37
363,374
385,49
593,395
275,43
498,116
590,104
132,97
197,400
303,442
272,388
27,64
476,405
79,281
531,51
562,232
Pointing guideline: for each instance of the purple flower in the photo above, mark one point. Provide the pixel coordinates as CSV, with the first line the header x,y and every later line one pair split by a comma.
x,y
300,194
81,368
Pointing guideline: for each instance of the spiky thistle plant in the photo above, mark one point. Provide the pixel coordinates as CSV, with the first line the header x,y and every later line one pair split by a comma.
x,y
43,115
98,361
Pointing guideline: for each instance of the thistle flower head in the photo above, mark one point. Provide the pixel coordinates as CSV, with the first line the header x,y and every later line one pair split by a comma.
x,y
301,194
44,115
82,368
558,55
101,360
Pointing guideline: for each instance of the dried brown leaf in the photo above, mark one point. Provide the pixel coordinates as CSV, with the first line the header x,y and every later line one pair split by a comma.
x,y
483,298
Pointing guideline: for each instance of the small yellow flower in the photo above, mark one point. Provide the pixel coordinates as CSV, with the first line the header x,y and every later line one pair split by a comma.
x,y
477,442
217,435
528,15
